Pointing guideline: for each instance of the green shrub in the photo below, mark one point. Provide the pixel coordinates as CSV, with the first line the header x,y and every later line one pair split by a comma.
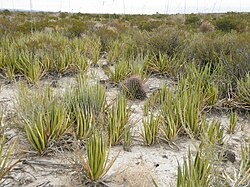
x,y
150,25
229,23
193,20
168,41
106,35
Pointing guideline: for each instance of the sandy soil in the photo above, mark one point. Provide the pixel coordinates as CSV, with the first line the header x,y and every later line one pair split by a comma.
x,y
142,166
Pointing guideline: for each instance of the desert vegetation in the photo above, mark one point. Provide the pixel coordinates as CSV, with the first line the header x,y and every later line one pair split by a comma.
x,y
98,88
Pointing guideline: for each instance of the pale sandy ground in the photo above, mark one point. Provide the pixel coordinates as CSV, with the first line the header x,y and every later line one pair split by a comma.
x,y
140,167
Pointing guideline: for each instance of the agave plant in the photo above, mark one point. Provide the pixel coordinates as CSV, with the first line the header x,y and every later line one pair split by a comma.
x,y
49,124
96,165
232,124
195,172
243,90
6,163
150,129
117,120
213,132
85,121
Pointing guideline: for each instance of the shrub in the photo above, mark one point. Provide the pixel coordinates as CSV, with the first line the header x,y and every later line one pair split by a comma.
x,y
106,35
193,20
166,41
229,23
77,28
150,25
206,27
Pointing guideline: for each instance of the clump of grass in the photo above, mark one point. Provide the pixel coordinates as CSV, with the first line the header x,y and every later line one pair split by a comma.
x,y
188,107
85,105
92,48
195,172
84,123
212,132
121,71
211,94
49,124
133,88
96,165
241,176
170,121
114,51
86,96
243,90
44,117
152,102
159,63
232,124
117,120
150,129
30,65
6,157
127,136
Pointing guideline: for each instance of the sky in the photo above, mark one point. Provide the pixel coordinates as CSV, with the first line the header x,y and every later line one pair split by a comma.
x,y
130,6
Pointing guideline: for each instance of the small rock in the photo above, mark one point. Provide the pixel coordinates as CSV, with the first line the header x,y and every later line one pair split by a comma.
x,y
228,156
165,156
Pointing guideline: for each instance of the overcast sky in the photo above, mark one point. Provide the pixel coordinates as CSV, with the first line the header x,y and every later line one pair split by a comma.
x,y
130,6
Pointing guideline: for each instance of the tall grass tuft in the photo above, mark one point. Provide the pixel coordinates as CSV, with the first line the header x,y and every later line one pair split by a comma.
x,y
96,165
232,123
44,117
195,172
117,120
213,132
150,129
6,163
243,90
49,124
86,96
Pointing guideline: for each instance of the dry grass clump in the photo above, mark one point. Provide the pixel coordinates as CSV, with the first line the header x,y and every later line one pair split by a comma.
x,y
206,27
133,88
